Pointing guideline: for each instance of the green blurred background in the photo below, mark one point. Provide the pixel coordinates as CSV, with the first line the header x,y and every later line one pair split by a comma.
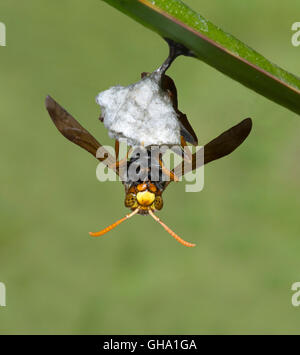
x,y
138,279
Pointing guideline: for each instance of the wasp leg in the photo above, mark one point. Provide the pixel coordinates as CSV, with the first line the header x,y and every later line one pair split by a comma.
x,y
117,149
120,163
185,153
167,172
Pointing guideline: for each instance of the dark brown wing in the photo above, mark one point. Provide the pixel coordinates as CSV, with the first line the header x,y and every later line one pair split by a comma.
x,y
186,130
219,147
228,141
73,131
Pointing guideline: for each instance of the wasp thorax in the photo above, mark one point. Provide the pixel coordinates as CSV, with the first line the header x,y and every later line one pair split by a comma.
x,y
141,114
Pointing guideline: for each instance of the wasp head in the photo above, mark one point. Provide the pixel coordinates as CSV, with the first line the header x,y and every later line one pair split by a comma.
x,y
144,196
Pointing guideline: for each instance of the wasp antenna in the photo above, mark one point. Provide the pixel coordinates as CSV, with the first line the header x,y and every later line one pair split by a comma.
x,y
173,234
112,226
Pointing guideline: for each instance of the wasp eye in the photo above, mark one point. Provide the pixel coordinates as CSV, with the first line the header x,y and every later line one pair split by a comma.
x,y
158,203
130,200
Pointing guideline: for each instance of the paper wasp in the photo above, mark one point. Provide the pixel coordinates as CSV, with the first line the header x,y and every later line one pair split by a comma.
x,y
144,196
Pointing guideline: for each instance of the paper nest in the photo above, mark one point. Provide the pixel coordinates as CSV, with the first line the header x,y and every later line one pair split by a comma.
x,y
141,114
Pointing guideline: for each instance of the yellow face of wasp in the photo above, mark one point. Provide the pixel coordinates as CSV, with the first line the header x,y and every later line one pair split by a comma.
x,y
144,196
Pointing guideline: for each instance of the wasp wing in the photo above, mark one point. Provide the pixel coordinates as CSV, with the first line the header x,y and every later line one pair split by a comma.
x,y
186,130
73,131
228,141
218,148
